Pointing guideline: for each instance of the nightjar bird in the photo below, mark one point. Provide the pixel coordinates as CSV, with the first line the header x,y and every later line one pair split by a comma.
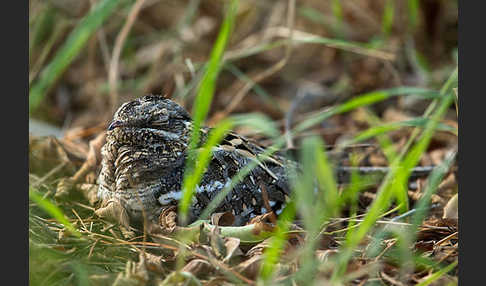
x,y
144,158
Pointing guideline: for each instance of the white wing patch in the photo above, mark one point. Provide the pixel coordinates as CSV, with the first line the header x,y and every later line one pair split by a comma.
x,y
177,195
170,196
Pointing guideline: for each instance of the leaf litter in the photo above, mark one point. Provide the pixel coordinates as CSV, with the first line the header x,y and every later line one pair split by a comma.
x,y
214,252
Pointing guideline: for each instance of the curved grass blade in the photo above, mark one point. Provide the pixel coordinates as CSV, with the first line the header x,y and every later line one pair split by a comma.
x,y
359,101
365,100
203,157
70,49
272,254
438,274
433,182
394,183
201,108
314,186
387,19
208,82
52,210
388,127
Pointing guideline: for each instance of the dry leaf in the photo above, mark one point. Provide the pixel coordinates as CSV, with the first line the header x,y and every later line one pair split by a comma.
x,y
93,159
46,153
250,268
451,210
223,219
232,248
198,267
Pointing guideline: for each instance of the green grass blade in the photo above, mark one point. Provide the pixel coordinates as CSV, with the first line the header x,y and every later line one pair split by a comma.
x,y
388,127
433,182
42,28
208,82
337,10
203,158
70,49
364,100
272,254
350,195
53,211
413,157
202,104
328,185
438,274
387,19
323,196
236,179
334,23
315,186
394,184
413,8
243,53
400,172
355,47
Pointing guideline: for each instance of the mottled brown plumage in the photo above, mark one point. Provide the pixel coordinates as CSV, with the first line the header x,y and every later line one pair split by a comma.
x,y
144,159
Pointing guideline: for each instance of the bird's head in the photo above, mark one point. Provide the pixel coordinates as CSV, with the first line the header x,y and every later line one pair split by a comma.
x,y
150,111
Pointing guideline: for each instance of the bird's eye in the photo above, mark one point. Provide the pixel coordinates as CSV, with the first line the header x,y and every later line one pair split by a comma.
x,y
159,121
159,117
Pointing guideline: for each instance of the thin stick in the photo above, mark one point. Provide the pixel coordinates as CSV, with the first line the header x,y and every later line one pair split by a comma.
x,y
270,71
119,42
79,218
49,174
447,238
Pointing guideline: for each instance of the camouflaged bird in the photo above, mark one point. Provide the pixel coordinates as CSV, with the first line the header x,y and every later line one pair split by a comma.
x,y
144,157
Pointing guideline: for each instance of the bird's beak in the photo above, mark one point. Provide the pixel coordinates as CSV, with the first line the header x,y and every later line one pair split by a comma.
x,y
114,124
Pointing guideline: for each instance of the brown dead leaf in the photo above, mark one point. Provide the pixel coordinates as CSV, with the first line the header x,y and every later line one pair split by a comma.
x,y
232,245
223,219
250,268
258,249
64,188
46,153
263,222
217,281
198,267
438,155
437,229
451,210
180,278
93,159
424,246
377,159
94,154
449,182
